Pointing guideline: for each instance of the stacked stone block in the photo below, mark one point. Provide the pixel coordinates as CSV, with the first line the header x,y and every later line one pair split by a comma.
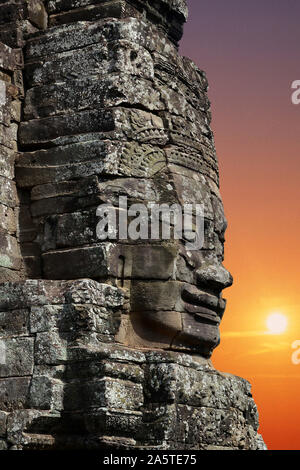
x,y
20,18
17,19
99,110
66,383
43,327
11,94
107,105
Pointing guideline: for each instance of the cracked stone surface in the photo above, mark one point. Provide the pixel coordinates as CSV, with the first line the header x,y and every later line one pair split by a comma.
x,y
107,344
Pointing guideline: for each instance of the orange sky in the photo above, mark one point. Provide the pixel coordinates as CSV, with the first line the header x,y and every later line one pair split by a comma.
x,y
250,53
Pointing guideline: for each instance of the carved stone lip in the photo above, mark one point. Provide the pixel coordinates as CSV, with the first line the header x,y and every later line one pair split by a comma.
x,y
204,306
203,315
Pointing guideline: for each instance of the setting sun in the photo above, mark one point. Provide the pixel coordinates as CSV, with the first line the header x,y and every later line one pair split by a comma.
x,y
277,323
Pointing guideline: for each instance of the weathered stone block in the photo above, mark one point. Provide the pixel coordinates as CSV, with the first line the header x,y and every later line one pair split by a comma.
x,y
8,193
106,392
16,110
11,34
155,295
155,329
176,6
100,59
45,318
21,422
37,13
87,291
18,357
14,322
31,293
3,445
169,16
114,8
160,261
7,219
110,109
46,393
32,267
10,253
39,131
10,59
4,104
115,124
210,426
84,159
89,261
50,348
27,228
78,228
200,388
114,422
8,275
64,204
131,372
57,6
8,136
82,34
24,294
12,12
14,393
76,319
160,425
78,95
3,423
75,189
104,367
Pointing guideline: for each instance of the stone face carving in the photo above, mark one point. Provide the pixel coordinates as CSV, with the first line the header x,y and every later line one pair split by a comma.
x,y
101,337
126,109
67,384
176,293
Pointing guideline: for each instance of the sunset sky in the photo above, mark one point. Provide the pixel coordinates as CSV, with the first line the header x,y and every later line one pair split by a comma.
x,y
250,52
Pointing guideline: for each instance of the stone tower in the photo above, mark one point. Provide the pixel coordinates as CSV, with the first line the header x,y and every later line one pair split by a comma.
x,y
106,343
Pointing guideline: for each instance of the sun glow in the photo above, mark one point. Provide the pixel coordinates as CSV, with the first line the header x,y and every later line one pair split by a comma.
x,y
277,323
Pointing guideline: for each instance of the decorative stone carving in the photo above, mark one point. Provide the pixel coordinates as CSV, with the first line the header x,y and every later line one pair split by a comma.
x,y
106,343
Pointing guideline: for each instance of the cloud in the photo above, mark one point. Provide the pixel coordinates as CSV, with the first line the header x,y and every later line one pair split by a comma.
x,y
245,334
275,344
277,376
267,348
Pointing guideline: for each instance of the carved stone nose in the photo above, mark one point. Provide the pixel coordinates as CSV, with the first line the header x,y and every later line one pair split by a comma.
x,y
214,276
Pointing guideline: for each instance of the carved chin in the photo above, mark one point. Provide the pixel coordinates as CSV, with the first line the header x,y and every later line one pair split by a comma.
x,y
180,331
200,334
